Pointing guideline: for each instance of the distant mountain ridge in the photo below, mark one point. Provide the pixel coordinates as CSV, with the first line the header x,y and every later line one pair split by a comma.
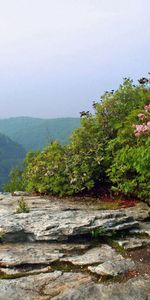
x,y
35,133
20,134
11,154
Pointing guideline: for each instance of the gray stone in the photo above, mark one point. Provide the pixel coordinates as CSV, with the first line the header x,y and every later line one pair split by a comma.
x,y
20,193
41,286
23,272
54,220
133,243
133,289
144,228
139,212
92,256
54,223
114,267
13,255
72,286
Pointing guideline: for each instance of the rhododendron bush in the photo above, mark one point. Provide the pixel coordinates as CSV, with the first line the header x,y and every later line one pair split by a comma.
x,y
130,170
111,149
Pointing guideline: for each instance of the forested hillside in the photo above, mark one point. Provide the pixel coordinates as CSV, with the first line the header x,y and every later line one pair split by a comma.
x,y
11,154
35,133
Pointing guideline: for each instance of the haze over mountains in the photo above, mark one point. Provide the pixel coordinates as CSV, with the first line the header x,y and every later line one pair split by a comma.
x,y
35,133
20,134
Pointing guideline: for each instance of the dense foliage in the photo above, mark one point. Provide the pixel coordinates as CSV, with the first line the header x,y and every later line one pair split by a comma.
x,y
104,151
130,170
11,154
35,133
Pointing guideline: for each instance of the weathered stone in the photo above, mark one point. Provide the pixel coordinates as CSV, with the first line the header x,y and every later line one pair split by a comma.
x,y
114,267
42,286
133,289
53,220
54,223
72,286
13,255
22,272
144,228
139,212
92,256
133,243
20,193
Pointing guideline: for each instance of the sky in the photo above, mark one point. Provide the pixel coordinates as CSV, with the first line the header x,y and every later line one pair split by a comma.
x,y
58,56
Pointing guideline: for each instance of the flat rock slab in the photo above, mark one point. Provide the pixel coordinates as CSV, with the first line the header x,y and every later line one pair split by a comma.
x,y
114,267
133,243
72,286
139,212
13,255
133,289
10,272
42,286
55,222
58,219
92,256
143,229
45,236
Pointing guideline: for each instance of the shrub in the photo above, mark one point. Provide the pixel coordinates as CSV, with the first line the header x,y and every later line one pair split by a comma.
x,y
130,169
22,206
105,150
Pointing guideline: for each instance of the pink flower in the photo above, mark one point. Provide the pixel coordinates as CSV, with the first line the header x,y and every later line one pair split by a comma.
x,y
147,107
143,129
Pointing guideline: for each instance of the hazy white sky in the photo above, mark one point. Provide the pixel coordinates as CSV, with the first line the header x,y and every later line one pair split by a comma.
x,y
57,56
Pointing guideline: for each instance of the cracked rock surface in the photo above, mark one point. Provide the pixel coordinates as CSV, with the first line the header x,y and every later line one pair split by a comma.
x,y
58,223
65,249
